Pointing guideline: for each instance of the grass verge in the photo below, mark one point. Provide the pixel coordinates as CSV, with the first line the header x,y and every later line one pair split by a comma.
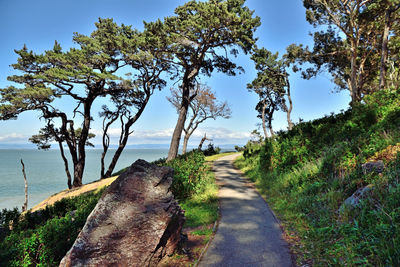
x,y
201,212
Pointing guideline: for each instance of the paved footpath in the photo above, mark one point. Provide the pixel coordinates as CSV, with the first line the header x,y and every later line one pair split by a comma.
x,y
248,233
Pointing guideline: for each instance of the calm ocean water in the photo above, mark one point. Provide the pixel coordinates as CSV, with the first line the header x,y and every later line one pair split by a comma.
x,y
46,175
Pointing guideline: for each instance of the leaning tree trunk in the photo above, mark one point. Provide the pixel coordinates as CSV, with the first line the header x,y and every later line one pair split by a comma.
x,y
180,124
106,143
125,132
202,141
25,206
65,165
119,150
189,76
79,166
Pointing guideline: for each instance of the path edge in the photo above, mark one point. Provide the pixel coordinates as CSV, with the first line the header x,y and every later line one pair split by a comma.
x,y
215,227
247,179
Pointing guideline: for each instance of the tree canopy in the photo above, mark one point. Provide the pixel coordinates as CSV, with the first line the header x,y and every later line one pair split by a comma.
x,y
201,37
272,86
82,74
352,43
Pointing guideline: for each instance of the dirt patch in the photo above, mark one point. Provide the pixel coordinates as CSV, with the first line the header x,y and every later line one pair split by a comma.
x,y
73,192
194,246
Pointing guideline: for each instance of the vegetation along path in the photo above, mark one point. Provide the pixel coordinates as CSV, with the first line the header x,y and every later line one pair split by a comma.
x,y
248,233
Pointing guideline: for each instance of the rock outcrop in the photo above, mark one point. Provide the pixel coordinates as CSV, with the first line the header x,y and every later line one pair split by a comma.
x,y
353,202
374,166
361,193
136,222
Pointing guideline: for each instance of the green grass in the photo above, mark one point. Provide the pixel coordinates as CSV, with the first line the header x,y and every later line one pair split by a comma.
x,y
202,208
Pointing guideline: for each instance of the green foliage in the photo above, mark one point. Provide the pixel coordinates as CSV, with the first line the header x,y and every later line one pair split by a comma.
x,y
211,150
44,237
266,155
251,149
307,173
202,207
189,173
86,72
239,148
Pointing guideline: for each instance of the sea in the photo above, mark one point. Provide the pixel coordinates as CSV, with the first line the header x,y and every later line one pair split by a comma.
x,y
46,175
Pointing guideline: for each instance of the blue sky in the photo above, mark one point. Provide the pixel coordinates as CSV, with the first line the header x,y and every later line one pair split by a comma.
x,y
38,23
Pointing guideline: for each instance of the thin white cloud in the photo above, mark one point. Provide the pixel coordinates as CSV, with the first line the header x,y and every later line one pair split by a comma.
x,y
14,138
219,135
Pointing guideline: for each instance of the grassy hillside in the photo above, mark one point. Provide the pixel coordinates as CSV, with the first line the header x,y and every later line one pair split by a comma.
x,y
306,175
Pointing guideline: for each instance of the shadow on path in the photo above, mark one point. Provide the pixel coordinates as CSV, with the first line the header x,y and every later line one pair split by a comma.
x,y
248,233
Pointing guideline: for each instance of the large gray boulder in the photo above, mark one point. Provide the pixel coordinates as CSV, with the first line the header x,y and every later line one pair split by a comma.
x,y
136,222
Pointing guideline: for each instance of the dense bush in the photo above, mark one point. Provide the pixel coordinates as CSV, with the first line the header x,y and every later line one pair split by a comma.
x,y
44,237
189,173
307,173
211,150
251,149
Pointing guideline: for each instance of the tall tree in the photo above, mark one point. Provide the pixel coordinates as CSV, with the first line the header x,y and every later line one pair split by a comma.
x,y
272,86
348,44
203,106
201,37
81,74
149,62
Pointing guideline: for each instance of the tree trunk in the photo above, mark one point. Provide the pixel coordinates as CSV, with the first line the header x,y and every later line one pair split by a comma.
x,y
353,75
202,141
106,143
102,167
180,124
270,116
65,165
119,150
263,120
185,143
25,206
79,167
384,51
289,110
125,135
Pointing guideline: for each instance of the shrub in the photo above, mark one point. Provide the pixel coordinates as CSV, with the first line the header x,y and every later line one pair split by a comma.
x,y
190,169
251,149
211,150
266,154
43,238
